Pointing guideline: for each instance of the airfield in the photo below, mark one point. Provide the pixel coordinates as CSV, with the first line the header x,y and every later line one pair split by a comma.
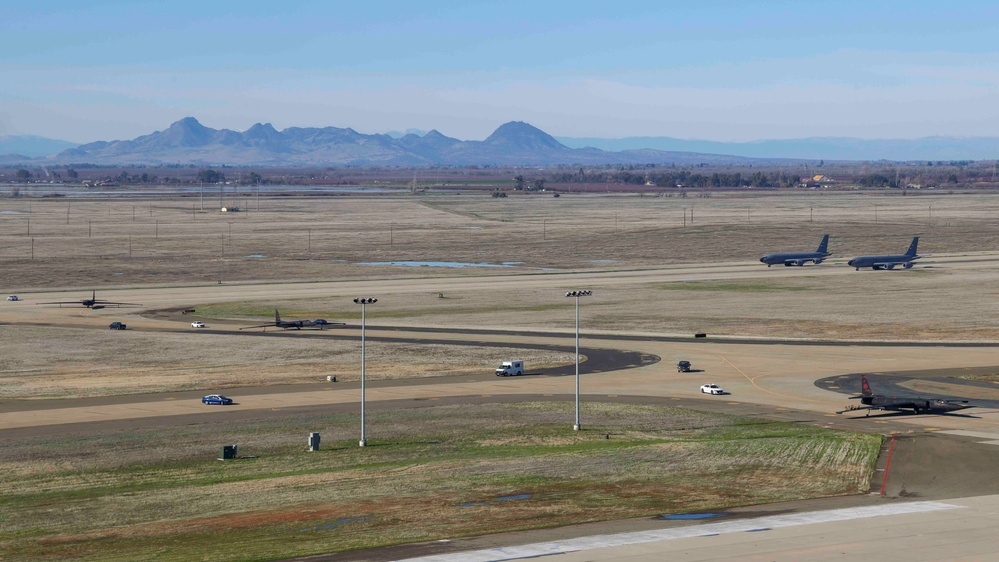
x,y
786,343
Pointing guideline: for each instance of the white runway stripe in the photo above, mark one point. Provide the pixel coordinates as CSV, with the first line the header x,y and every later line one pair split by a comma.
x,y
742,525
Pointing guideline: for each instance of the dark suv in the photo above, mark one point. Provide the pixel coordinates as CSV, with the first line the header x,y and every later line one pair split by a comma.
x,y
117,325
683,366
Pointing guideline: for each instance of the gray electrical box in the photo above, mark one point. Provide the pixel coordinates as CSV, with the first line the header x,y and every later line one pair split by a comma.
x,y
314,441
228,452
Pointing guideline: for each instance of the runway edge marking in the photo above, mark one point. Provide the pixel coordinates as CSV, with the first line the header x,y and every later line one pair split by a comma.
x,y
742,525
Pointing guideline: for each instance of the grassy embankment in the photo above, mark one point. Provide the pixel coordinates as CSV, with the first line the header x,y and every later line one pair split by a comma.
x,y
431,473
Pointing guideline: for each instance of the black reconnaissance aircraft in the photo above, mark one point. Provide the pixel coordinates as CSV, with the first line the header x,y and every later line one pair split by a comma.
x,y
93,302
917,404
888,262
296,324
800,258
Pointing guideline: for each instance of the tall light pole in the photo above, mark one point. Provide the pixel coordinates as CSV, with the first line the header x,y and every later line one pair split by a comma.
x,y
363,301
576,295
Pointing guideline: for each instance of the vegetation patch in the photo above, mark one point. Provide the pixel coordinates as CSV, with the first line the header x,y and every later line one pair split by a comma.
x,y
427,474
993,378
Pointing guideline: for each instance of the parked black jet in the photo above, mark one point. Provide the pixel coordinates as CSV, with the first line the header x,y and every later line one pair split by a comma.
x,y
800,258
888,262
297,324
93,302
917,404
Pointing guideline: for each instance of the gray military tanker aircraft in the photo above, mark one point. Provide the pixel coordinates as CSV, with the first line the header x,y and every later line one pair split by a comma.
x,y
800,258
888,262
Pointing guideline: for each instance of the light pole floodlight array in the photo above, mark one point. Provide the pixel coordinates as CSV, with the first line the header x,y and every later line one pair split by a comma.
x,y
363,301
576,295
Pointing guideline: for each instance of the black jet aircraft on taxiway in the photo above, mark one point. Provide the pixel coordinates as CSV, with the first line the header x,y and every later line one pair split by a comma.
x,y
888,262
93,302
296,324
915,404
800,258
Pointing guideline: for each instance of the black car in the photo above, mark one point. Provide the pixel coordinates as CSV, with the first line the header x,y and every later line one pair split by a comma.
x,y
683,366
117,325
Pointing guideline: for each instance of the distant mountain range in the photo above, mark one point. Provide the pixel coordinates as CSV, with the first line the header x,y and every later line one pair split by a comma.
x,y
399,135
815,148
513,144
30,146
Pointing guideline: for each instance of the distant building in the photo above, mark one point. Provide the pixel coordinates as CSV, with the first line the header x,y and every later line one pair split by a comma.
x,y
818,180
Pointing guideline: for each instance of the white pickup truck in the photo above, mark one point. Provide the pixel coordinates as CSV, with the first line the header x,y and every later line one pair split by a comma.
x,y
508,368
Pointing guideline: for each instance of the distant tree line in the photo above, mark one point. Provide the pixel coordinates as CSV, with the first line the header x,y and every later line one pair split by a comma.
x,y
682,178
877,180
869,175
210,176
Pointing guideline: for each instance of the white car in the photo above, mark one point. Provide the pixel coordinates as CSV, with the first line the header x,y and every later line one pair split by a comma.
x,y
13,298
197,324
712,389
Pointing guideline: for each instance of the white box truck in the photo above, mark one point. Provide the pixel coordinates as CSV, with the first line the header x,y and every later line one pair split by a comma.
x,y
508,368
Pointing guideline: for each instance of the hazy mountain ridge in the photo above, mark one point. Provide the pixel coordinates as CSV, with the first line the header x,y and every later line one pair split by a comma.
x,y
512,144
31,146
935,148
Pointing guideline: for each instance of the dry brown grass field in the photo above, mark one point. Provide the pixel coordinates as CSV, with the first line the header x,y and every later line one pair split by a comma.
x,y
120,495
51,362
126,242
82,243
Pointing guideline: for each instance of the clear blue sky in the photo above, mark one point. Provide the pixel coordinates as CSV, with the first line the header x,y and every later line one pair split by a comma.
x,y
719,70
